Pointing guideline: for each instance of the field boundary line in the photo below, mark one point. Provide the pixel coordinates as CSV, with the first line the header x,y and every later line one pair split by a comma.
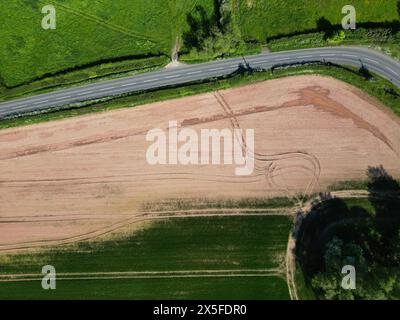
x,y
285,211
291,268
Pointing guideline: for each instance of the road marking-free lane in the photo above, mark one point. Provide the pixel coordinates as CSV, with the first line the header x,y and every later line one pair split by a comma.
x,y
391,70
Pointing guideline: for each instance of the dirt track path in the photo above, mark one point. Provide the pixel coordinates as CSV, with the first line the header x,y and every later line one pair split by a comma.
x,y
146,275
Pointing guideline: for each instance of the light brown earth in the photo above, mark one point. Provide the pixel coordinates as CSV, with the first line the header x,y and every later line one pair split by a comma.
x,y
63,180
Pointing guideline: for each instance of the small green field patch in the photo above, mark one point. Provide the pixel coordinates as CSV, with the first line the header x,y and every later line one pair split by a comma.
x,y
188,258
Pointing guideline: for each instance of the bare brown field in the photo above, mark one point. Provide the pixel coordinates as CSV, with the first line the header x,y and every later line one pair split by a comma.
x,y
62,180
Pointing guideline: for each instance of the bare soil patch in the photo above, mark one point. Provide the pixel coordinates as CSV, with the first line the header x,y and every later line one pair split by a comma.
x,y
73,177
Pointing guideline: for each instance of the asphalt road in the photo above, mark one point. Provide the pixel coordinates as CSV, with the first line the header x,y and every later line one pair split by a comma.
x,y
374,61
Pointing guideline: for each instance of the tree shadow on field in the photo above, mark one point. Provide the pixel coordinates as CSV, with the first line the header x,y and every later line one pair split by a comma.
x,y
398,8
331,217
325,26
364,72
200,25
384,191
217,13
392,92
311,238
203,25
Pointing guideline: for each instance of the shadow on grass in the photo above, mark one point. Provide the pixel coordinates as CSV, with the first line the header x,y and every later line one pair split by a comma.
x,y
331,218
325,26
398,8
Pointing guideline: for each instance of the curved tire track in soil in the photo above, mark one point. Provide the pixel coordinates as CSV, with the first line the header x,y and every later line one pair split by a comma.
x,y
270,161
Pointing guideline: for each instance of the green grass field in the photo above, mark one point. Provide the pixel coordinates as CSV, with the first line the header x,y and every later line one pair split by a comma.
x,y
221,258
262,19
99,39
87,31
154,289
